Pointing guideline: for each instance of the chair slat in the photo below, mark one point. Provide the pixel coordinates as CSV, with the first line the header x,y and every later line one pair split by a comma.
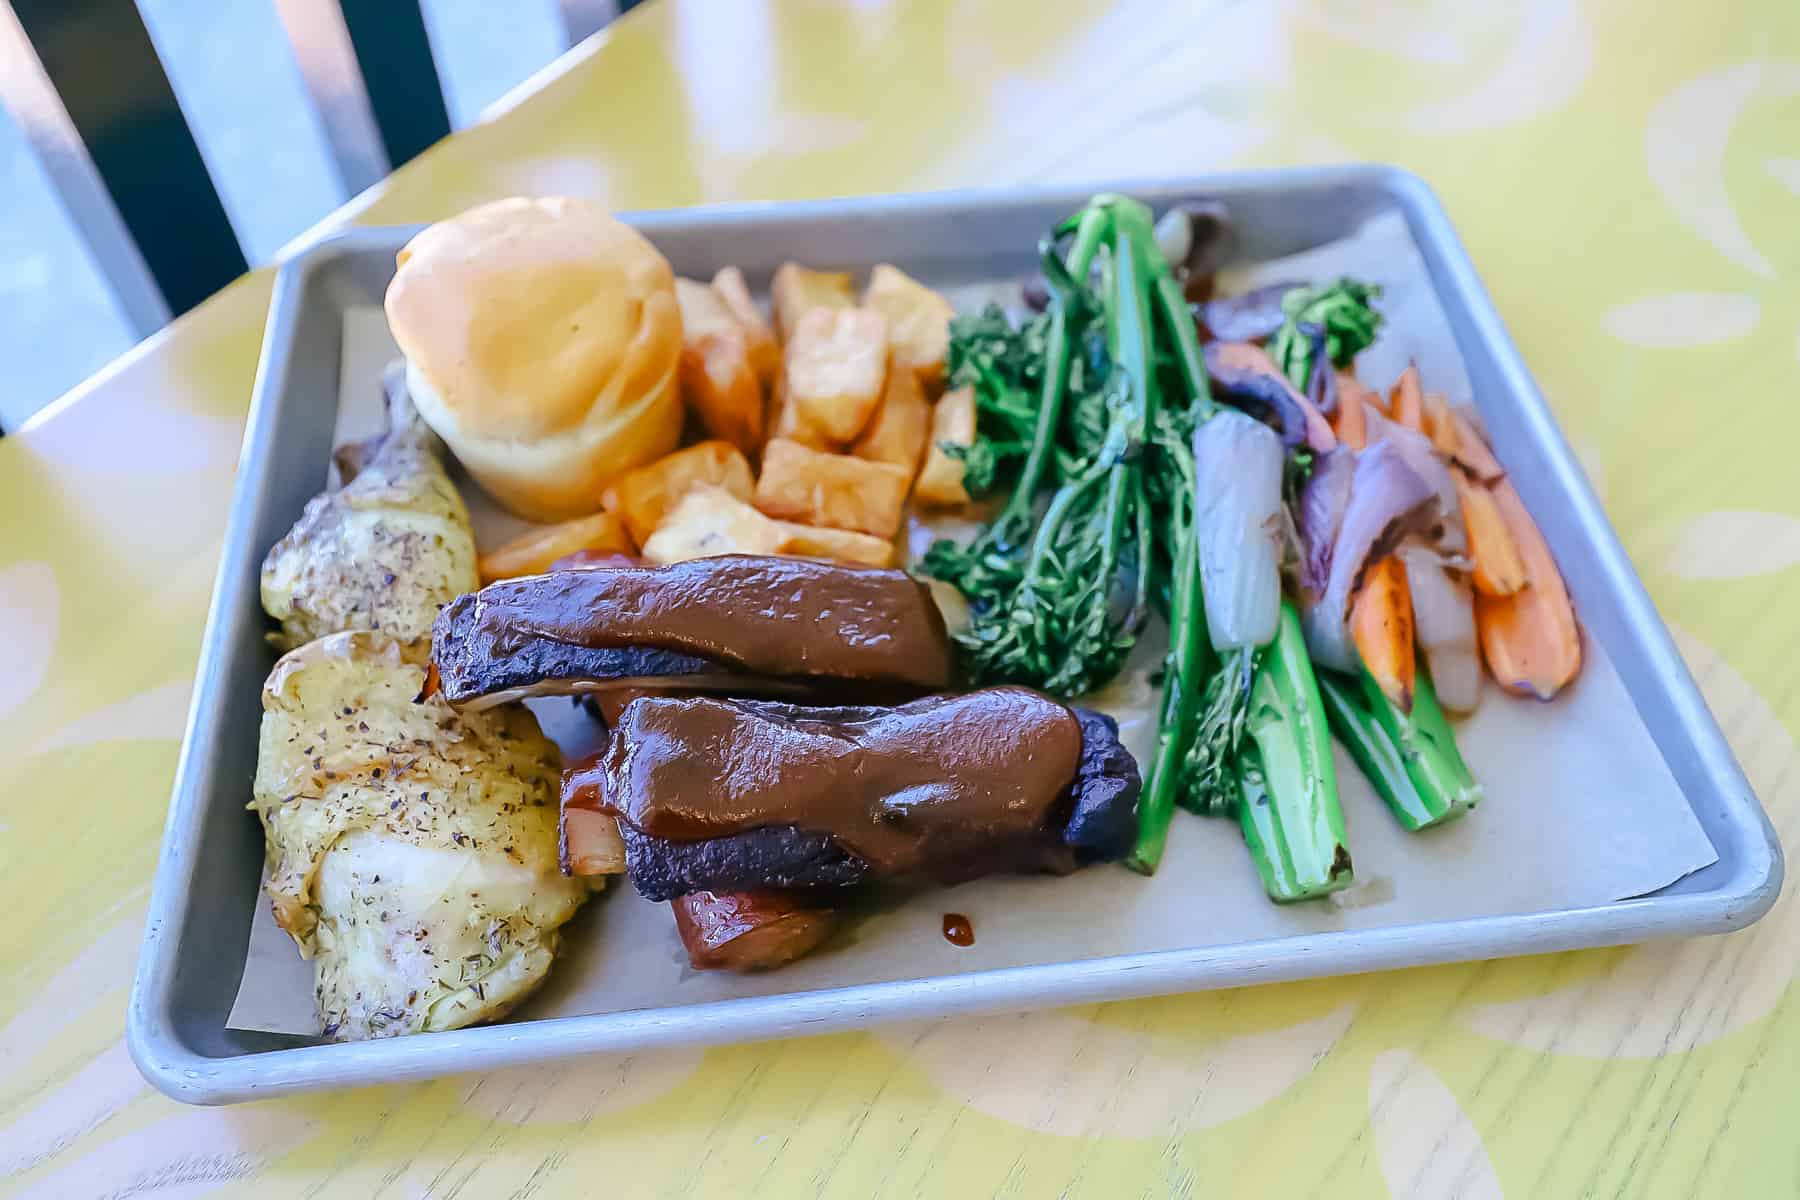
x,y
29,96
98,57
334,83
399,72
584,18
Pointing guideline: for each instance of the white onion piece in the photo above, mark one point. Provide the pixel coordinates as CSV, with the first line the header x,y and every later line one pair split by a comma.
x,y
1322,504
1444,619
1238,527
1175,237
1388,500
1449,535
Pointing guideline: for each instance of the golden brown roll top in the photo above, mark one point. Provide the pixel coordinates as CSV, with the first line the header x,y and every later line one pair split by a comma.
x,y
542,340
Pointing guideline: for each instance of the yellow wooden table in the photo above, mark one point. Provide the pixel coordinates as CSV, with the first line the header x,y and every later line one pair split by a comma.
x,y
1628,180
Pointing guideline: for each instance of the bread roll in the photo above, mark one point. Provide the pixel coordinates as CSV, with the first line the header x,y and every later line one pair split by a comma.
x,y
541,339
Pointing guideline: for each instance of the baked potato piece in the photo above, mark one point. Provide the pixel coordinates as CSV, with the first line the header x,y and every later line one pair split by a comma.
x,y
710,520
718,383
918,321
953,422
839,545
785,420
795,291
643,497
536,550
765,351
835,490
901,426
835,365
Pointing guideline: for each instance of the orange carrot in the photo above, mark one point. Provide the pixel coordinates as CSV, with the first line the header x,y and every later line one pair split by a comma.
x,y
1351,422
1440,425
1381,626
1472,450
1408,399
1530,639
1499,569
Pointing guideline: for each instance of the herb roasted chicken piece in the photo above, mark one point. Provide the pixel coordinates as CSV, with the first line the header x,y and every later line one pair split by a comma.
x,y
383,552
411,850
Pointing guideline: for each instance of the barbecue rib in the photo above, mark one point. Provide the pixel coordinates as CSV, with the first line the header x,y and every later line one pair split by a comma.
x,y
732,795
732,623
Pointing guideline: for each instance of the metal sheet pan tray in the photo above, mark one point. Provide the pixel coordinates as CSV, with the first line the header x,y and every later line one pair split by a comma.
x,y
206,889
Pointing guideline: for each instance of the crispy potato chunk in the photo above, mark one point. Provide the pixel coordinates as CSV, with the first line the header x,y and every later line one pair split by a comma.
x,y
901,426
717,380
953,421
643,497
918,321
842,545
702,309
835,490
711,520
836,364
765,351
795,291
785,420
533,552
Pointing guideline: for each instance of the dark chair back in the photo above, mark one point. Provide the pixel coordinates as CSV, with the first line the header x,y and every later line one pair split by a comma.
x,y
100,113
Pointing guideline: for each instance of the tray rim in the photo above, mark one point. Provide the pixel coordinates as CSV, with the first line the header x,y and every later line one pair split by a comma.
x,y
1741,897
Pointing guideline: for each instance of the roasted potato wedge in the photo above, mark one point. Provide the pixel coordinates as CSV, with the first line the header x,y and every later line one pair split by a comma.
x,y
785,420
901,426
642,497
918,321
952,421
718,382
795,291
710,520
834,369
836,490
840,545
765,351
534,552
702,309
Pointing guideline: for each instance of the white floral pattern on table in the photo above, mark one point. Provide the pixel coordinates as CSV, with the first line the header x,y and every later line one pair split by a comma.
x,y
1628,185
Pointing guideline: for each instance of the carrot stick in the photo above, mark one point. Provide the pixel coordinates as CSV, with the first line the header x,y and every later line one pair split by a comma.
x,y
1381,626
1408,399
1351,422
1440,425
1471,449
1499,567
1530,639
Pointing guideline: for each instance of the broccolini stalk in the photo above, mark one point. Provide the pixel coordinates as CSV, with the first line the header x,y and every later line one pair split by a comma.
x,y
1372,748
999,362
1190,661
1411,759
1288,806
1341,310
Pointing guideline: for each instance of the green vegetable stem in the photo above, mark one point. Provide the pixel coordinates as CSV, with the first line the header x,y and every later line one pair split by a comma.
x,y
1410,759
1342,310
1288,802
